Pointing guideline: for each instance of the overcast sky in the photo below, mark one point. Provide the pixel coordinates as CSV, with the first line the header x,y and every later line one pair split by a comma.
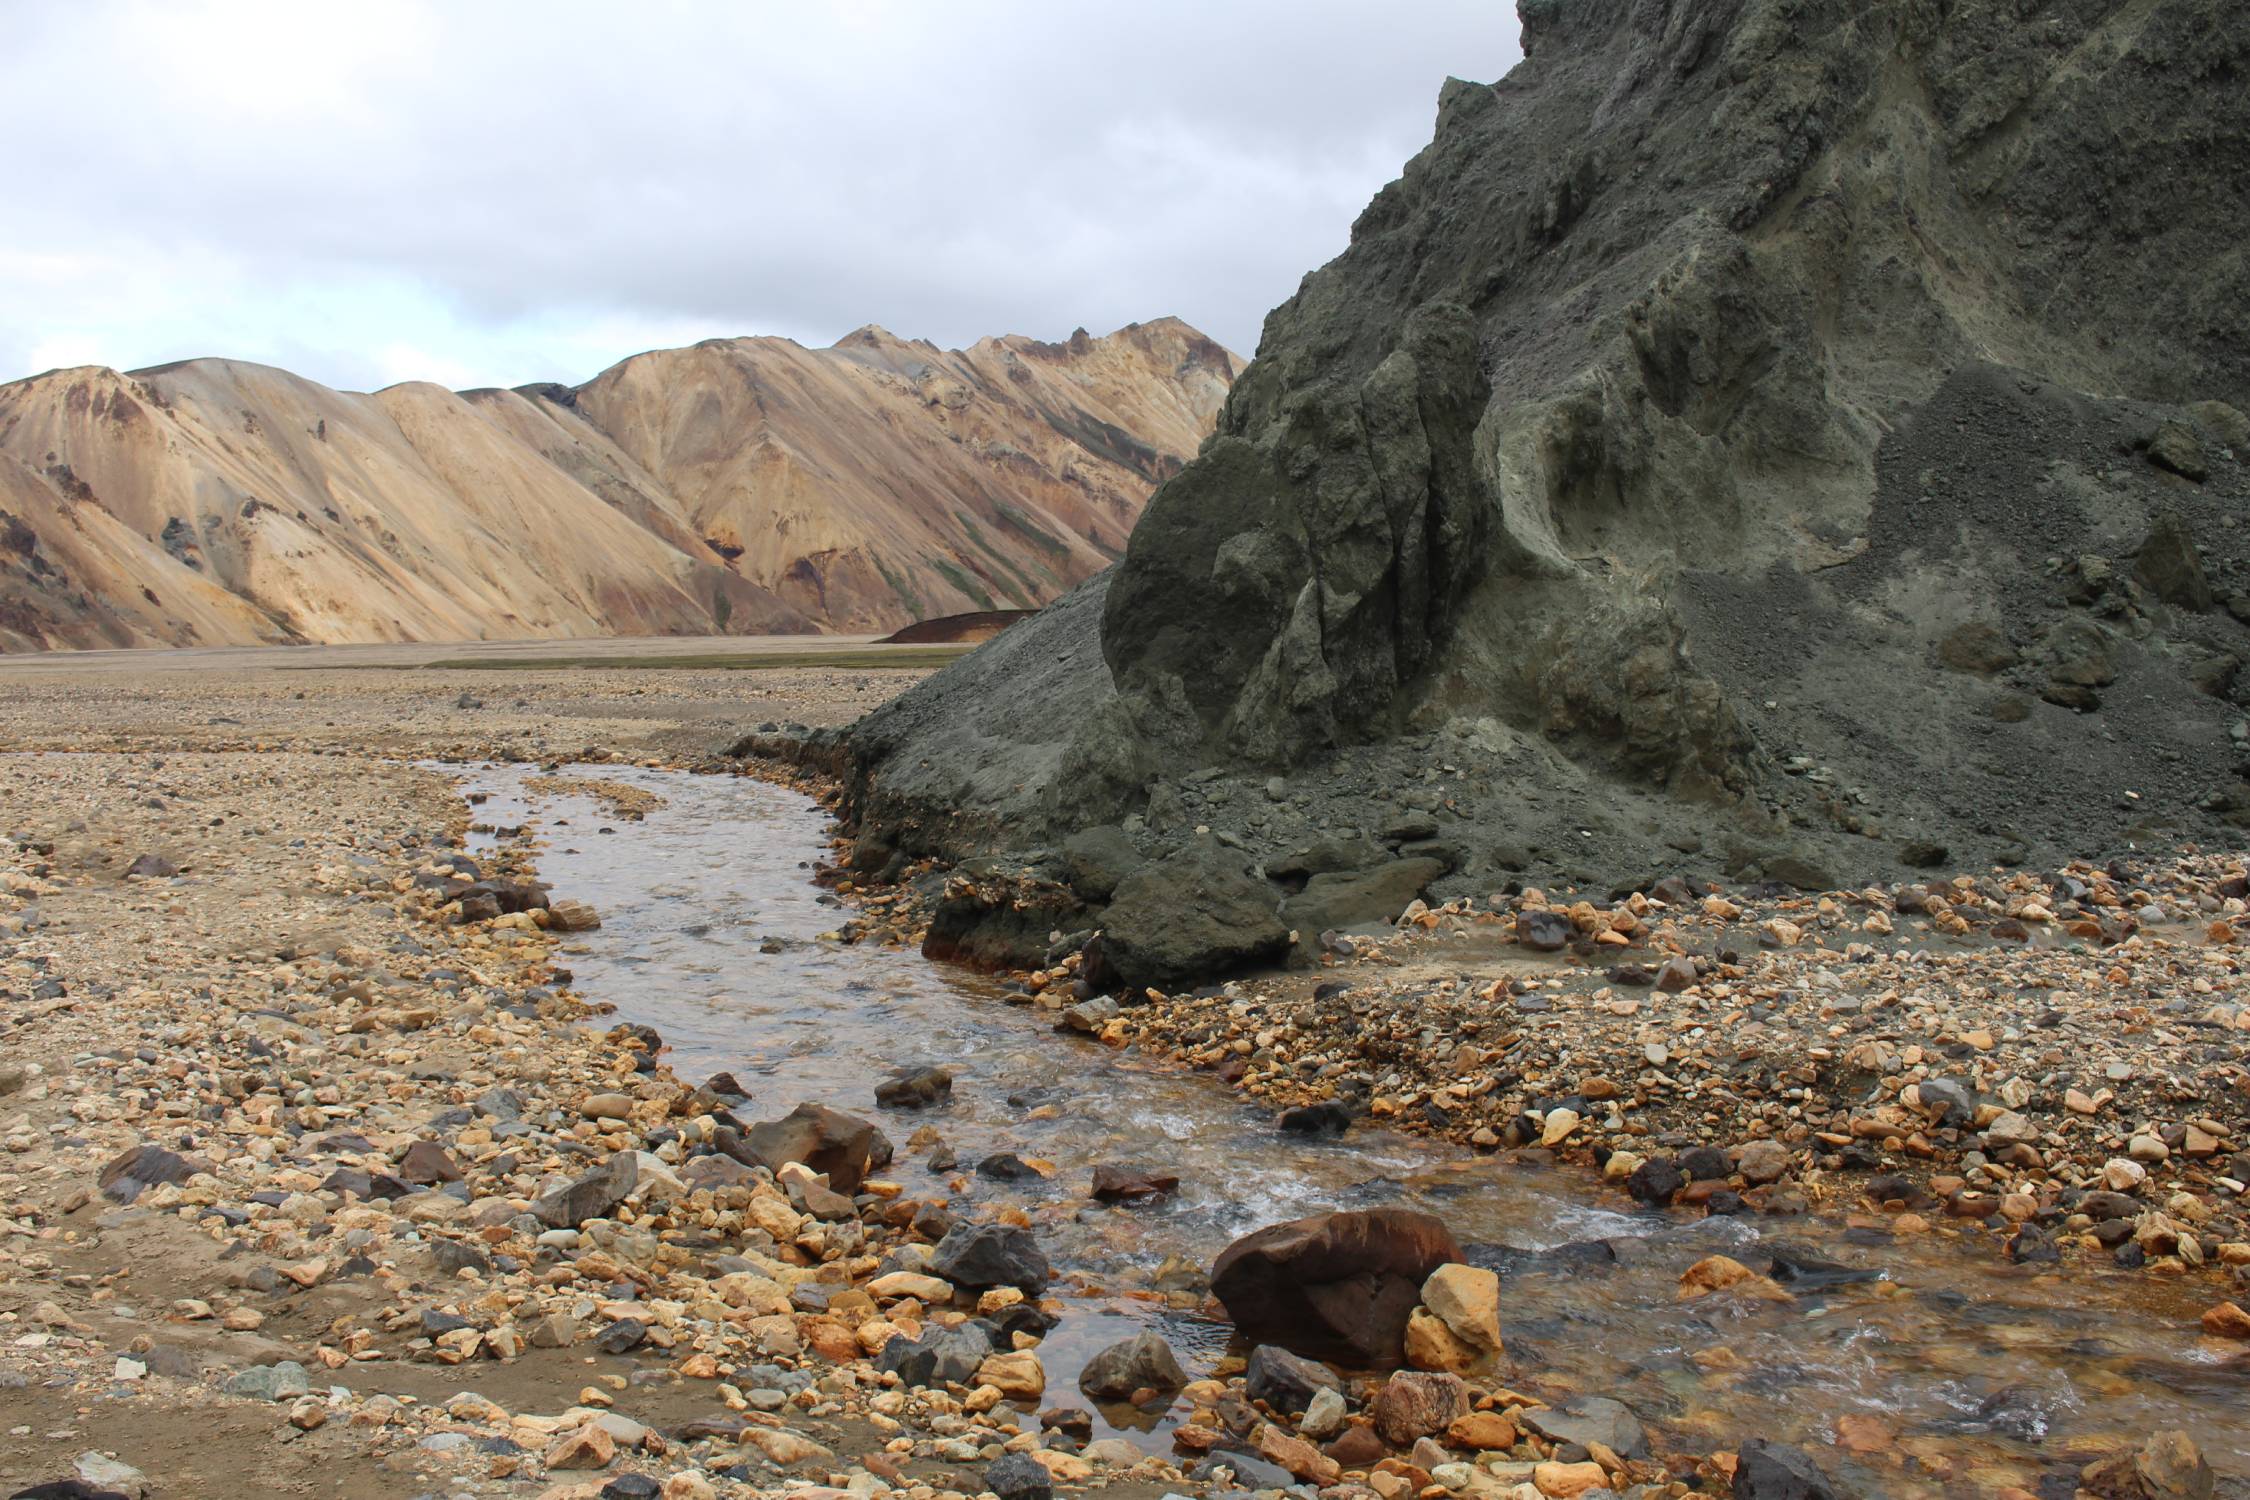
x,y
487,193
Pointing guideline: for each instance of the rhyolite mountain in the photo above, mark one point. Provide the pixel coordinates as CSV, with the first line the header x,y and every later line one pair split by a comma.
x,y
1787,439
739,486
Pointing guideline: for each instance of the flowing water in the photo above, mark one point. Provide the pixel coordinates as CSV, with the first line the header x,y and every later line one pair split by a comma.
x,y
712,933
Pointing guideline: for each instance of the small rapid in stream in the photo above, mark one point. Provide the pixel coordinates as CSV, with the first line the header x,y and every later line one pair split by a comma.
x,y
712,935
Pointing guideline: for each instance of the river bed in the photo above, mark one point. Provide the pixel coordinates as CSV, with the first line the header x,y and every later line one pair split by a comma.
x,y
1989,1373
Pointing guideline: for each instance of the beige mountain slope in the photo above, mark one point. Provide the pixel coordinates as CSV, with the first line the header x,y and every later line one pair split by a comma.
x,y
747,486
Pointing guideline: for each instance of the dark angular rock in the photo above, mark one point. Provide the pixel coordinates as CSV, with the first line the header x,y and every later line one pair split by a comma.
x,y
1360,898
152,867
1656,1181
2170,566
1099,859
622,1337
1286,1382
986,1255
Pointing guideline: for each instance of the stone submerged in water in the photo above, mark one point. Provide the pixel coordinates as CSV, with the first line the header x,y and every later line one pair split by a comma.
x,y
1115,1184
1335,1286
1587,1420
2167,1467
1143,1362
915,1088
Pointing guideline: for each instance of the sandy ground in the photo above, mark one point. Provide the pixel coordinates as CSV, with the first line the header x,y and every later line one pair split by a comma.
x,y
232,941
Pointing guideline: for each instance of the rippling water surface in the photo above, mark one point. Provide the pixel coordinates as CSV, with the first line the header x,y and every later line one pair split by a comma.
x,y
712,934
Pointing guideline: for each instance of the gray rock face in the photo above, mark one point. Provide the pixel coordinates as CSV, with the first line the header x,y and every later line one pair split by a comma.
x,y
1716,357
1178,920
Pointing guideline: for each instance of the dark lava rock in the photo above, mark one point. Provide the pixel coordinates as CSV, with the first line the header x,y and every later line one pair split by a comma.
x,y
1143,1362
1283,1381
1335,1285
1115,1184
631,1487
1187,918
1776,1471
1656,1181
987,1255
1706,1163
139,1168
825,1140
1006,1166
1327,1120
915,1088
1019,1476
591,1196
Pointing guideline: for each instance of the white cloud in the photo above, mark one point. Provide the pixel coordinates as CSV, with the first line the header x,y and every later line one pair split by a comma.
x,y
523,191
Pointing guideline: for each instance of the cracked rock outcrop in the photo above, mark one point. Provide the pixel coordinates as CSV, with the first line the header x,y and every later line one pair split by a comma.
x,y
1781,438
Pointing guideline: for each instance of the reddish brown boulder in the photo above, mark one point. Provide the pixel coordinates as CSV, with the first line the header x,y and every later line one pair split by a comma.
x,y
825,1140
1336,1286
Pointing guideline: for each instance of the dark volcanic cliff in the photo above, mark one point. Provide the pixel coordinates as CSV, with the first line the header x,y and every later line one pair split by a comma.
x,y
1783,436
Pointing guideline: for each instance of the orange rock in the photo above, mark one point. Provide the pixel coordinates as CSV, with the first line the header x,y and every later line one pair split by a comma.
x,y
1481,1431
1564,1481
2228,1321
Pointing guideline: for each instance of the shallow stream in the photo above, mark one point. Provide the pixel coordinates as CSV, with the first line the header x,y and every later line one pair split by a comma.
x,y
712,934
